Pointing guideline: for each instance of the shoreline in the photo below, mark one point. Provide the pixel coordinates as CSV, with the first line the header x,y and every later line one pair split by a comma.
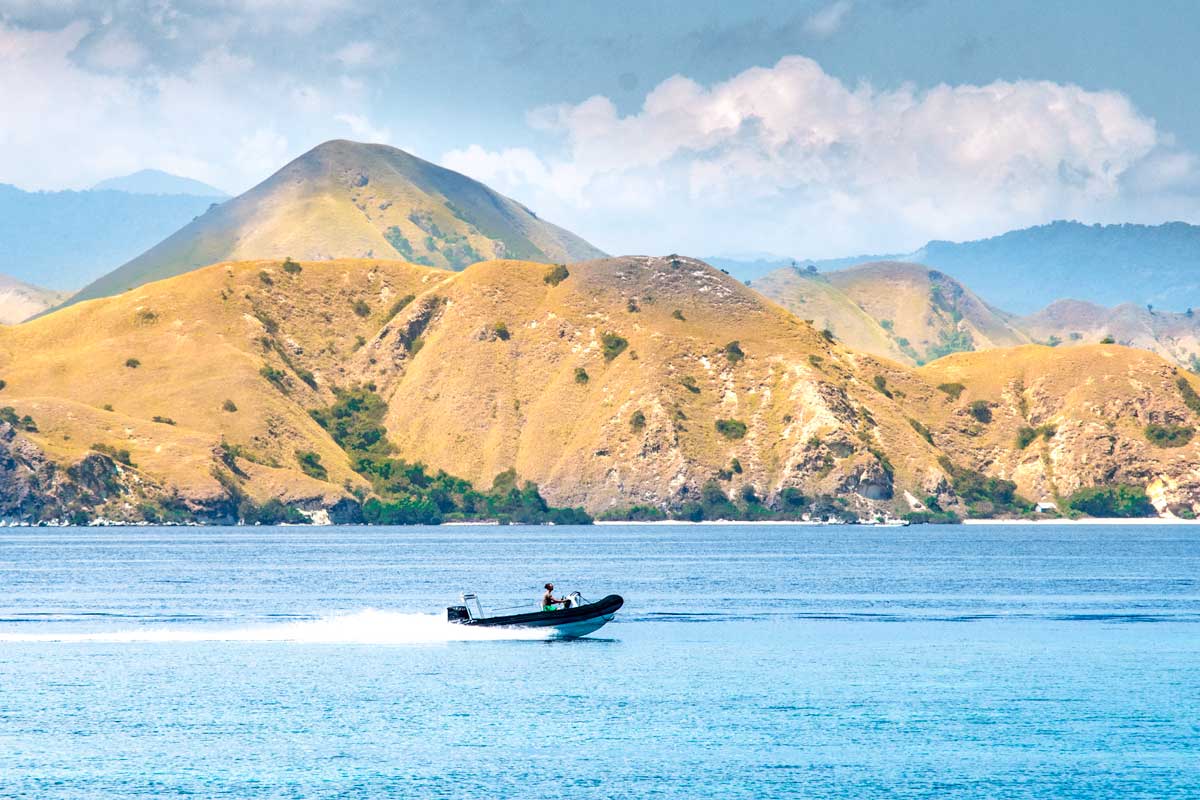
x,y
806,523
1087,521
1093,521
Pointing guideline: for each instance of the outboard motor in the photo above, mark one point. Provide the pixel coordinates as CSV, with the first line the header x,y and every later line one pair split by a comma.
x,y
468,611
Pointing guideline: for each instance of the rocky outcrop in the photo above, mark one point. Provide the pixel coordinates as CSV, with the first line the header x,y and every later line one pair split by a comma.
x,y
34,488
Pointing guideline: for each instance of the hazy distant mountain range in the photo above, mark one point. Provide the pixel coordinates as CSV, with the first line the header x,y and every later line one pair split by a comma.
x,y
154,181
1024,270
63,240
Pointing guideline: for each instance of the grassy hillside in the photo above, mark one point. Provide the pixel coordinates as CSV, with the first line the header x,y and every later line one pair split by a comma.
x,y
1058,420
20,301
1173,335
893,309
654,382
815,298
349,200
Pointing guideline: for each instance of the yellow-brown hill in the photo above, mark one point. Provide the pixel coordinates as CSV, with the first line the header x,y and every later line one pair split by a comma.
x,y
631,381
893,309
20,301
346,199
1174,336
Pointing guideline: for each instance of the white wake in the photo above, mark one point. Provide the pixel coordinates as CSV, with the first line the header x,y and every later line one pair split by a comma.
x,y
369,626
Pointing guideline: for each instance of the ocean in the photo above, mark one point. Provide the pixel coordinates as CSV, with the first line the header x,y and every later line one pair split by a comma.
x,y
748,662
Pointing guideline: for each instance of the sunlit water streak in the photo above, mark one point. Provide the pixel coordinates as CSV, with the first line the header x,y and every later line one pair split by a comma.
x,y
369,626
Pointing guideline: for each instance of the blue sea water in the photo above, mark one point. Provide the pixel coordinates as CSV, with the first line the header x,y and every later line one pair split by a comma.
x,y
749,662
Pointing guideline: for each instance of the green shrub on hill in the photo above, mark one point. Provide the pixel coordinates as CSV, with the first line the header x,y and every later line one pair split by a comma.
x,y
731,428
981,410
921,430
272,512
407,493
635,514
956,341
982,493
1169,435
1026,434
9,414
556,275
122,455
310,464
612,345
952,390
1190,398
1112,501
399,306
395,237
276,377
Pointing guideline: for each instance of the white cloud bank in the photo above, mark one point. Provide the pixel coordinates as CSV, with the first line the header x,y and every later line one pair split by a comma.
x,y
80,105
791,160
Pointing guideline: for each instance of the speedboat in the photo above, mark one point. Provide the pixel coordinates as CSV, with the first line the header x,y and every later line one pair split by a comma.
x,y
577,618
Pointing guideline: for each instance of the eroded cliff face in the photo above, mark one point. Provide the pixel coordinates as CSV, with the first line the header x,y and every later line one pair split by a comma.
x,y
35,487
1061,421
631,381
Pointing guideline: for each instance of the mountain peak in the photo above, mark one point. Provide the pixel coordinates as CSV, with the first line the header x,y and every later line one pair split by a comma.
x,y
346,199
155,181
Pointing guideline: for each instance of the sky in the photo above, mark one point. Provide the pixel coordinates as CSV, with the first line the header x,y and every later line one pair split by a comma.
x,y
810,129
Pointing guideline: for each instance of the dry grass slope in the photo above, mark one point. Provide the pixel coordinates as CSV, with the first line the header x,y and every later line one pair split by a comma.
x,y
897,310
631,380
1174,336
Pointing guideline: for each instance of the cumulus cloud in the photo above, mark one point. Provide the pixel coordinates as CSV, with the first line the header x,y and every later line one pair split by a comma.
x,y
356,54
791,159
111,49
362,128
826,22
79,106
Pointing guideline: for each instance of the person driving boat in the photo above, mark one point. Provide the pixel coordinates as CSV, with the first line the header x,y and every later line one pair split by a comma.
x,y
549,601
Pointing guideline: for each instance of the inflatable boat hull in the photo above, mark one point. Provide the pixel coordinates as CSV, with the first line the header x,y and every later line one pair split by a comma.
x,y
566,623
